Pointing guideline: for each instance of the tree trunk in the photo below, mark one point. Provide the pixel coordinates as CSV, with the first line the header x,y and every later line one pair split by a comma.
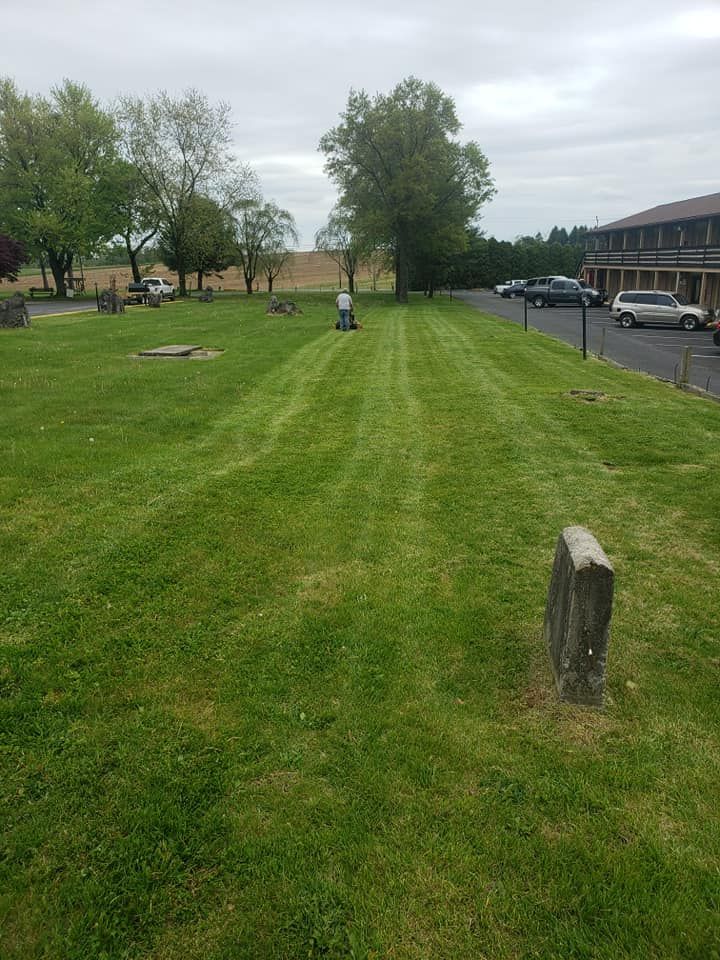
x,y
182,282
431,288
200,280
133,252
43,271
270,283
248,285
401,272
351,281
132,257
58,265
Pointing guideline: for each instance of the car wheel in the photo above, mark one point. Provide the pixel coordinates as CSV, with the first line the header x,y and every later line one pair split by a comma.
x,y
627,320
538,302
511,296
688,322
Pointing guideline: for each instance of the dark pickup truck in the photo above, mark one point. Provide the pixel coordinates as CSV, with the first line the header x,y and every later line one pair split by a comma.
x,y
137,292
554,291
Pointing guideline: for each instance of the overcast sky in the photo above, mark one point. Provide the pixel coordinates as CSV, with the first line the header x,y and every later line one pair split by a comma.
x,y
584,110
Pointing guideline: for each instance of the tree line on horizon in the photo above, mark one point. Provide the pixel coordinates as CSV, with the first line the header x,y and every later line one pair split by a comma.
x,y
157,174
487,261
77,178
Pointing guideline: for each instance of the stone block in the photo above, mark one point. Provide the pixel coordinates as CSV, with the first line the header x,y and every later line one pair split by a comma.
x,y
13,312
577,617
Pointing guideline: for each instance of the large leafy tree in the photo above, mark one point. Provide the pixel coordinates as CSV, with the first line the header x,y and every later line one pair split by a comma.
x,y
12,257
209,244
337,240
261,226
56,155
402,173
180,147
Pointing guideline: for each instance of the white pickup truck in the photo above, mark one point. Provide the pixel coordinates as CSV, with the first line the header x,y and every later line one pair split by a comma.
x,y
499,287
158,285
138,292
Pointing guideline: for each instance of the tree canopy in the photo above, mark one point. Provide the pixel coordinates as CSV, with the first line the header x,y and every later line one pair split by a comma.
x,y
56,155
402,175
261,227
180,148
209,242
12,257
487,261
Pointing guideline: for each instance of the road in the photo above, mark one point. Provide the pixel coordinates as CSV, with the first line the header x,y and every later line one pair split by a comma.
x,y
656,350
45,308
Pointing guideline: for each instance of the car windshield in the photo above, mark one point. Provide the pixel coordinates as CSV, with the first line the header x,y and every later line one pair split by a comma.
x,y
683,301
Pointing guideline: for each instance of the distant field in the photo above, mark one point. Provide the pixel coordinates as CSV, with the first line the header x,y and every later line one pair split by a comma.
x,y
307,270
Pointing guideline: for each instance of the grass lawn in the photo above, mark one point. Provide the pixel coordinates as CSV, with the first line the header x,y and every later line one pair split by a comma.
x,y
272,675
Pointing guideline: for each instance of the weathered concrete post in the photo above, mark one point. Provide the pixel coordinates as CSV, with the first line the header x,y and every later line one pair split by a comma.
x,y
577,617
685,361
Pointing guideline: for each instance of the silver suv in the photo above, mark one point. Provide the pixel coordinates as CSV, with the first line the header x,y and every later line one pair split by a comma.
x,y
635,307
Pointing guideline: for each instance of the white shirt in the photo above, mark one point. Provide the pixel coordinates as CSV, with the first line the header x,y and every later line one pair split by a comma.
x,y
344,301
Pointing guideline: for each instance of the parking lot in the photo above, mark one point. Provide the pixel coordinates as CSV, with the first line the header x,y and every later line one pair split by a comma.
x,y
656,350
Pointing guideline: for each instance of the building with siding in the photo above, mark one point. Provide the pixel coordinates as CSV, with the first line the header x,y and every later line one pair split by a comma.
x,y
674,247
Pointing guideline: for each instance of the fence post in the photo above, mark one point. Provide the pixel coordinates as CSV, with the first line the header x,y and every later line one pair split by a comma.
x,y
525,312
685,365
584,329
602,342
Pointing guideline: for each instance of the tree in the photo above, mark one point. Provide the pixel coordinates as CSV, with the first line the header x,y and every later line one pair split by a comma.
x,y
272,261
12,257
338,242
276,251
260,228
180,148
209,244
137,211
55,158
402,175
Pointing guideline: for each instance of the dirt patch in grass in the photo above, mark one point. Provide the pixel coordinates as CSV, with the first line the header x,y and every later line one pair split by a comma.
x,y
281,780
579,726
326,587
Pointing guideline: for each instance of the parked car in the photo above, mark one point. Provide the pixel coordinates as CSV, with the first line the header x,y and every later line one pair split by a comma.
x,y
499,287
716,337
634,307
555,291
516,289
597,294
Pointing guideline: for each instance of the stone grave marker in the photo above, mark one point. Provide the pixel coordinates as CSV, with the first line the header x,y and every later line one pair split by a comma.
x,y
13,312
577,617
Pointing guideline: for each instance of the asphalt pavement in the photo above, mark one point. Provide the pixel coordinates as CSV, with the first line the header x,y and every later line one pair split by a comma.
x,y
654,349
47,308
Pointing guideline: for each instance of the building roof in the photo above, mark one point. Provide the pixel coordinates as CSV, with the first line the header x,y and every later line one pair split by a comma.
x,y
693,209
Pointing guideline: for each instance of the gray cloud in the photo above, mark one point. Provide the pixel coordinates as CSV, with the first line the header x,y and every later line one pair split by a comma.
x,y
584,111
